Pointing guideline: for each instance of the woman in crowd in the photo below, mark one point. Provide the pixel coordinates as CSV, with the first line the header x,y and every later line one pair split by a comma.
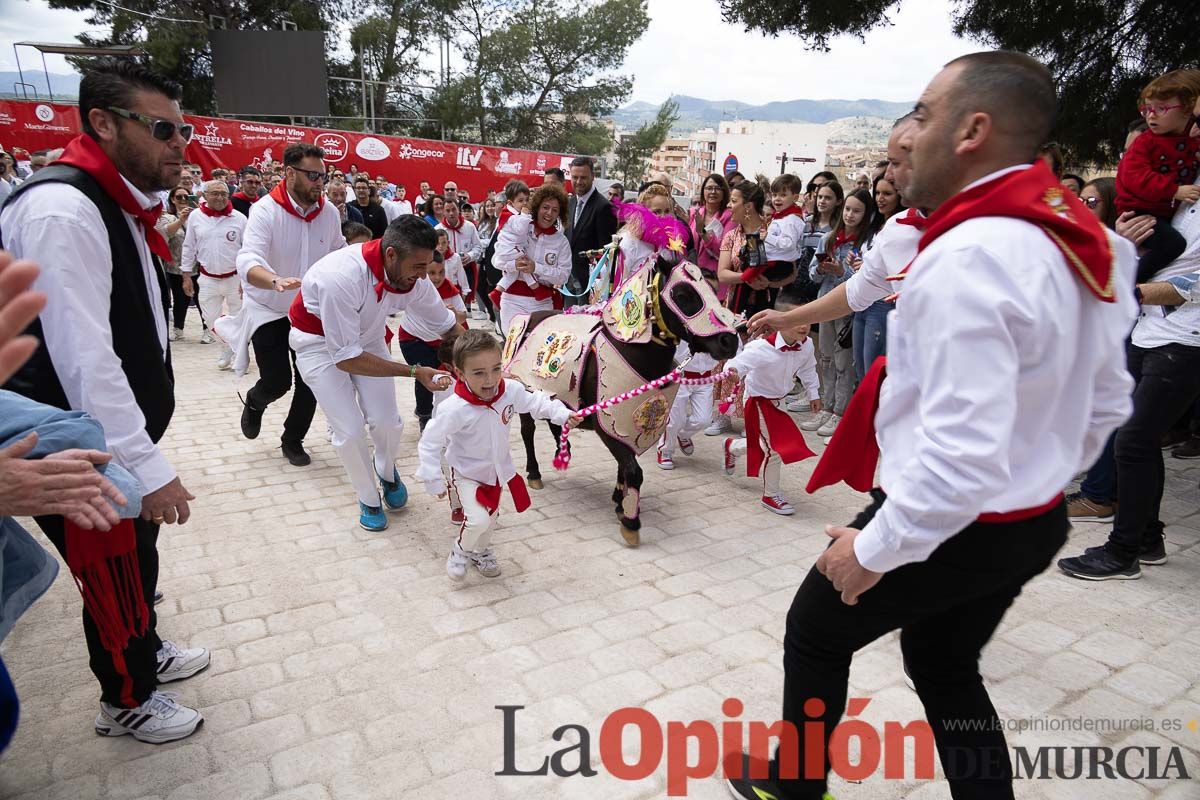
x,y
831,267
435,210
870,326
1095,500
8,175
486,224
632,249
823,210
172,224
708,221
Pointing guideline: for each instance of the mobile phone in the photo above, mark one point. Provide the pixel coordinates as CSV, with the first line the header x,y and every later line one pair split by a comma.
x,y
192,199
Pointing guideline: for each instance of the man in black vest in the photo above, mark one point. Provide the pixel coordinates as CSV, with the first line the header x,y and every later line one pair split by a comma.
x,y
590,223
88,222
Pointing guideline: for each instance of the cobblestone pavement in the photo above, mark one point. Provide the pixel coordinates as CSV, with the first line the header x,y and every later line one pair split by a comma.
x,y
345,665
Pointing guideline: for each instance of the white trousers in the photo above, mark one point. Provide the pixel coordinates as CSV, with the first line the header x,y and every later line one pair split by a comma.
x,y
771,460
475,535
217,291
512,305
352,403
691,413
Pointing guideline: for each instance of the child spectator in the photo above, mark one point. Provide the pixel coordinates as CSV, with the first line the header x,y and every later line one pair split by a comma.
x,y
692,410
1159,169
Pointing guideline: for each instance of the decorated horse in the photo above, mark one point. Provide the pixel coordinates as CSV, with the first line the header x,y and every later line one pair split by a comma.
x,y
600,358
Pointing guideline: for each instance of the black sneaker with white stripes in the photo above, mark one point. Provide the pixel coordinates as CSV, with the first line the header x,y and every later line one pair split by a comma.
x,y
160,719
176,663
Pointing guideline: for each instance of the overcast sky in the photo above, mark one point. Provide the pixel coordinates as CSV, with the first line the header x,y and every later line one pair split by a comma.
x,y
687,49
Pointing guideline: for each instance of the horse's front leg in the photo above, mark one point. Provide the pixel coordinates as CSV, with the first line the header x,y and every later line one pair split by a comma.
x,y
628,491
533,474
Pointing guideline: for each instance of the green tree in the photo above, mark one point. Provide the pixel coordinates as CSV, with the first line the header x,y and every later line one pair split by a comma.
x,y
633,154
1101,52
538,75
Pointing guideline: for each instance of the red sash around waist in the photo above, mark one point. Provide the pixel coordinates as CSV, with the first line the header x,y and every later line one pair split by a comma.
x,y
489,496
302,319
216,275
782,435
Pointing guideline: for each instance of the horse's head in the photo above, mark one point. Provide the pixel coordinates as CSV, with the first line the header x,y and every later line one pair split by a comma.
x,y
689,308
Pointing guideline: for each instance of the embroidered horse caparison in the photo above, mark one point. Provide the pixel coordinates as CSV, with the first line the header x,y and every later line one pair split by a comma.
x,y
584,358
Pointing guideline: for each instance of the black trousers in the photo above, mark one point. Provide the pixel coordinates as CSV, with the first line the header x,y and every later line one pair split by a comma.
x,y
1161,248
179,300
482,287
276,373
946,608
1168,383
132,686
420,354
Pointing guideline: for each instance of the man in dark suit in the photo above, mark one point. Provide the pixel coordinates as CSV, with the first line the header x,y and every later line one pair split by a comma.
x,y
591,223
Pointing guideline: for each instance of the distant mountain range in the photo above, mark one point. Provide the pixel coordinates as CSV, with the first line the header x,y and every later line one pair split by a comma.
x,y
696,112
62,86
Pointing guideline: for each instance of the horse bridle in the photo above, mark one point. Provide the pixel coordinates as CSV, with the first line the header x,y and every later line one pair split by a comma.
x,y
662,334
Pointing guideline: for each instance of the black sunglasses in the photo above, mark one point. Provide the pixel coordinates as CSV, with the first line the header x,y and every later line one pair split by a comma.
x,y
314,175
161,129
1090,202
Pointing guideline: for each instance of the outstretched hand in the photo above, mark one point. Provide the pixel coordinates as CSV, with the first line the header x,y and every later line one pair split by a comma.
x,y
19,306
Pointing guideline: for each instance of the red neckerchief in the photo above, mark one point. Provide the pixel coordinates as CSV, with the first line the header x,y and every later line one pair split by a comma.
x,y
240,195
455,228
914,218
279,195
505,213
774,338
83,153
372,253
538,230
225,212
448,290
462,390
1035,195
841,239
791,211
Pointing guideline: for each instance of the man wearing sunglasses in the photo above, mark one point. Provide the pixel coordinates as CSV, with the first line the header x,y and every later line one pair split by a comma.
x,y
250,189
289,231
89,221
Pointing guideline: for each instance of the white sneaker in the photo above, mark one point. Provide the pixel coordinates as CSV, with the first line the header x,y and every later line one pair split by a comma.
x,y
176,334
207,338
226,359
816,422
160,719
485,562
456,564
830,426
479,314
798,404
176,663
721,424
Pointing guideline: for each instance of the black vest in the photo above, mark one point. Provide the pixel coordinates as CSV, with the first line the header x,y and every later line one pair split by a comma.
x,y
130,316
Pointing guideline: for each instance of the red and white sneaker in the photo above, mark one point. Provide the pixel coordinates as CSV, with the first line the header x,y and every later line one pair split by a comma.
x,y
665,461
457,517
730,458
686,446
778,504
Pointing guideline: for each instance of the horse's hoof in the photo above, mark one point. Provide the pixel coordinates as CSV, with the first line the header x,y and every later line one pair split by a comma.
x,y
632,538
535,483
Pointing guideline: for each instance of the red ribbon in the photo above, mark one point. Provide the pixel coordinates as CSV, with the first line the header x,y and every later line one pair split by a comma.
x,y
853,453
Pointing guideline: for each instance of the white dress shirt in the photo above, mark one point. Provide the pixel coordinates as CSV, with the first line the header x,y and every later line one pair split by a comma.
x,y
785,238
768,370
890,251
57,227
213,242
395,208
580,202
551,253
456,274
340,290
475,438
286,245
465,241
1005,378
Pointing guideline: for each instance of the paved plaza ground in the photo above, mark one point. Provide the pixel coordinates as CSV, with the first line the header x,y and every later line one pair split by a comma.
x,y
345,664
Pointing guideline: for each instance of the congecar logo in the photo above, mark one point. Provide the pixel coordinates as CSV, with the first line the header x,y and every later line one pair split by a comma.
x,y
406,150
334,145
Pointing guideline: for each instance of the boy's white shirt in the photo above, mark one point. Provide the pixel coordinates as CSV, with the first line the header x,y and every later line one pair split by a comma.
x,y
768,370
475,438
701,362
784,238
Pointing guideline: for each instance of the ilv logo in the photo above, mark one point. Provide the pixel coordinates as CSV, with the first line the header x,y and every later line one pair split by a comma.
x,y
856,751
468,157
